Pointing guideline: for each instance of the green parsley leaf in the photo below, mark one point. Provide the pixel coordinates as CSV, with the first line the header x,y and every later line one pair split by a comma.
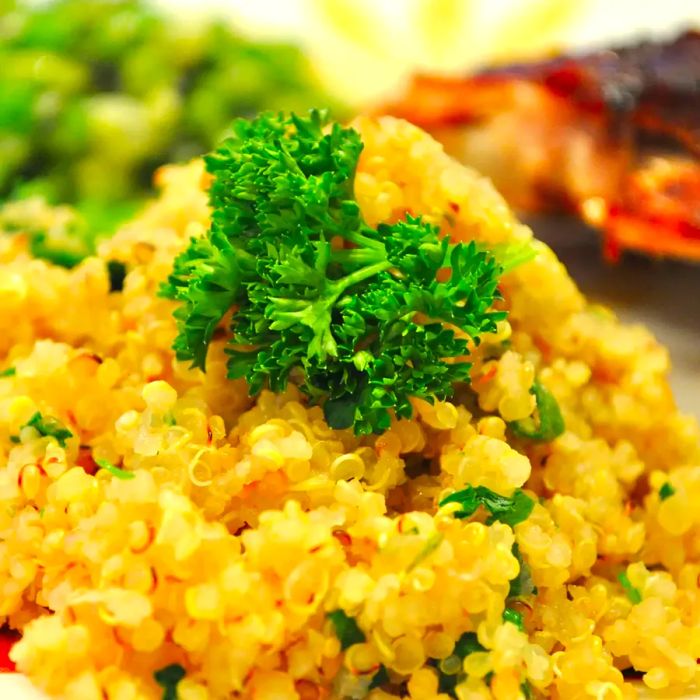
x,y
467,644
346,629
666,491
49,426
522,585
510,511
526,689
113,470
514,617
342,321
9,372
168,678
117,273
632,592
551,422
14,439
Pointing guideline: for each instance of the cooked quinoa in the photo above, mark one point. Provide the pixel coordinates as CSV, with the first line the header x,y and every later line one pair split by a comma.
x,y
233,539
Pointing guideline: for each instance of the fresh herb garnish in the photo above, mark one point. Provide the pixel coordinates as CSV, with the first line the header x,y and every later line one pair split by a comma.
x,y
522,585
168,678
432,543
551,422
318,295
510,511
467,644
117,273
15,440
9,372
515,617
379,678
48,426
346,629
632,592
113,470
666,491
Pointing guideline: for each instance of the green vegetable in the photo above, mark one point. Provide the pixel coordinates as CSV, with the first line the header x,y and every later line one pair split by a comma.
x,y
514,617
341,321
551,422
449,670
510,511
666,491
632,592
522,585
432,543
49,427
96,95
113,470
168,678
379,678
467,644
9,372
346,629
117,273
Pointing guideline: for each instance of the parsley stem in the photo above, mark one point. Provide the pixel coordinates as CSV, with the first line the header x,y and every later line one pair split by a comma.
x,y
361,240
339,286
356,255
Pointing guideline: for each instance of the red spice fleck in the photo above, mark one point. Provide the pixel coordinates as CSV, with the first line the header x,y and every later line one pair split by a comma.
x,y
210,435
71,417
241,529
8,638
488,375
343,537
455,207
86,461
96,357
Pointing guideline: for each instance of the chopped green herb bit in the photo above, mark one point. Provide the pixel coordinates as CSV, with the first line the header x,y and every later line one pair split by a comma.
x,y
467,644
117,273
632,592
168,678
49,427
343,321
41,246
526,689
522,585
510,511
114,471
346,629
666,491
9,372
511,615
431,544
379,678
14,439
551,422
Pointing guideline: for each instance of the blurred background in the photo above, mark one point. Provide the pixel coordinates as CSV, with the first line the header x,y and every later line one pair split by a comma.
x,y
96,94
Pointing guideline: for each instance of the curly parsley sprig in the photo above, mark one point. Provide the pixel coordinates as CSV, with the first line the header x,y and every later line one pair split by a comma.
x,y
357,316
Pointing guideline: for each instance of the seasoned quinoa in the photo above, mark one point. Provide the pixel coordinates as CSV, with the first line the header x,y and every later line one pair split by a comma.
x,y
247,521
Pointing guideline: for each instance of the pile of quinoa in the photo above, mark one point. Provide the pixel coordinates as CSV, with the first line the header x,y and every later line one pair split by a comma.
x,y
243,523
